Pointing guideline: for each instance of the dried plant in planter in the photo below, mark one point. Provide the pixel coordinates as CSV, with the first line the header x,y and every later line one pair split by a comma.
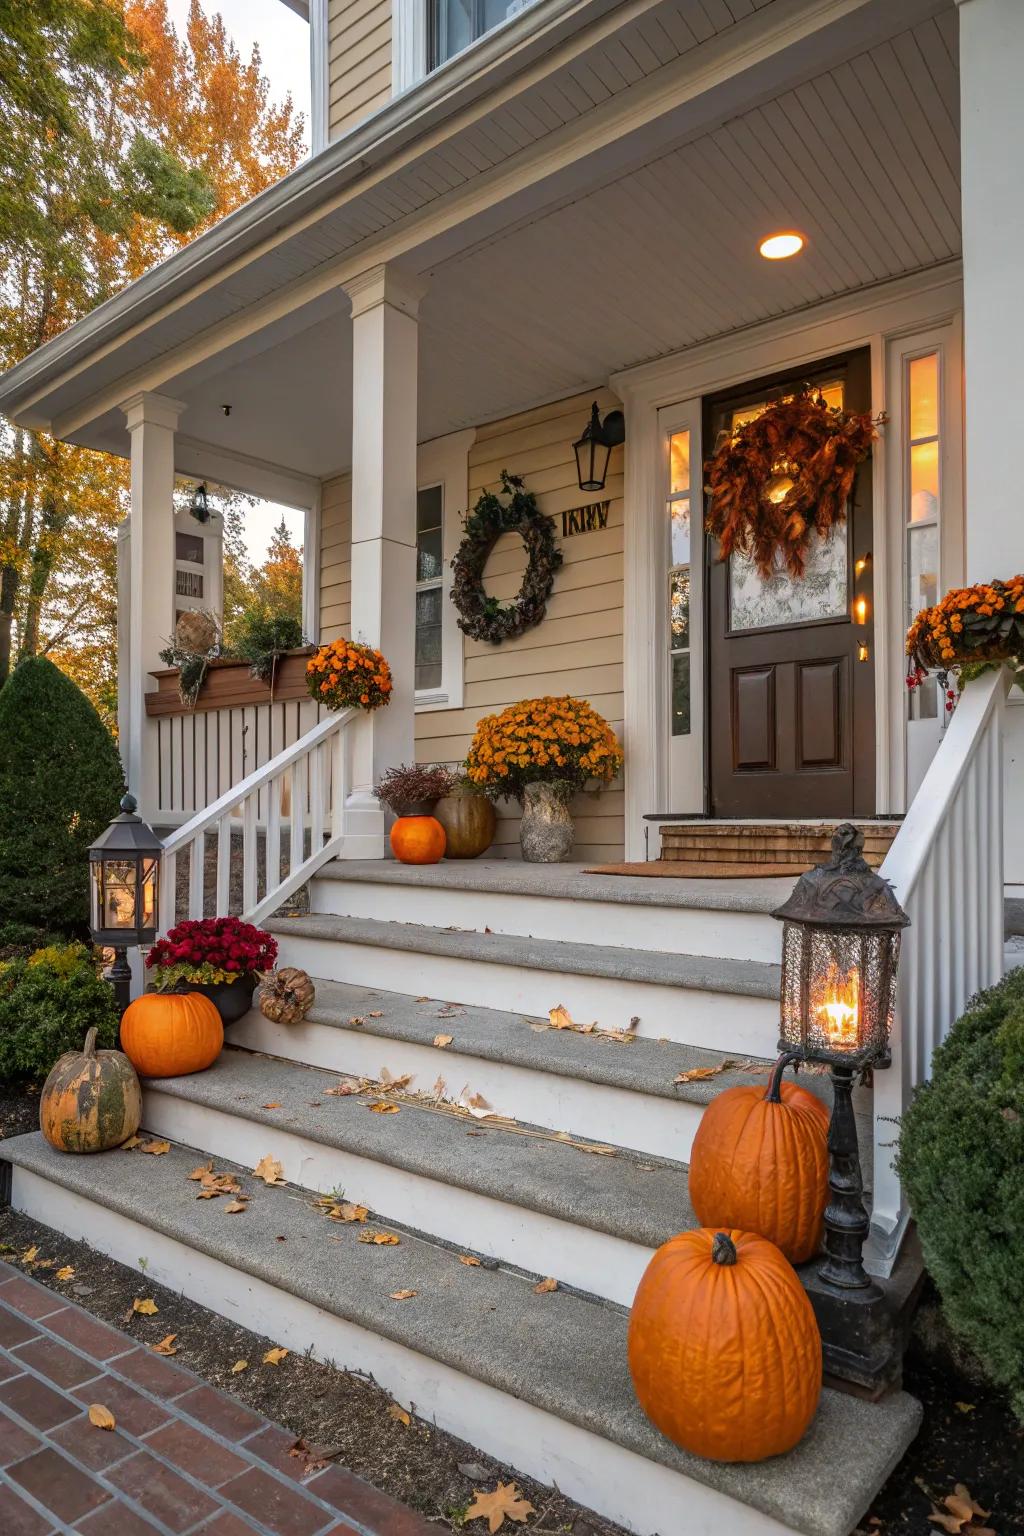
x,y
782,477
414,789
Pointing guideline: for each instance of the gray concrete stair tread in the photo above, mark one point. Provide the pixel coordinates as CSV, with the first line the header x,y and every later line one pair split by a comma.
x,y
511,877
639,1199
643,1066
749,978
560,1352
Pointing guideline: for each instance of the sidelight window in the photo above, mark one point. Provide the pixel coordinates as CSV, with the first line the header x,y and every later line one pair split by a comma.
x,y
922,480
679,580
429,586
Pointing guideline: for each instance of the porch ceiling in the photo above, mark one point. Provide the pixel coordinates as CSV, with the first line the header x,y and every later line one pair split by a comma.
x,y
627,259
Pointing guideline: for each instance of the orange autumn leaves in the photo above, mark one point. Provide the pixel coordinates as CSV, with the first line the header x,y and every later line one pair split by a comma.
x,y
554,740
347,675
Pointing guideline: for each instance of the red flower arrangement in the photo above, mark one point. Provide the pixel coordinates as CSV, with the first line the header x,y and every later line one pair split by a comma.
x,y
209,950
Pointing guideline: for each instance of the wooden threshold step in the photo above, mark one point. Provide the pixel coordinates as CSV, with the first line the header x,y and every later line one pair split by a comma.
x,y
538,1381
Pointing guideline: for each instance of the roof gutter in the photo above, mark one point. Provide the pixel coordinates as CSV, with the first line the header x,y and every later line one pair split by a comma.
x,y
497,57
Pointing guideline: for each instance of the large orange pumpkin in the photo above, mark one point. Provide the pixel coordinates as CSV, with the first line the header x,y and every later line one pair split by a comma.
x,y
168,1034
418,839
91,1100
724,1349
760,1163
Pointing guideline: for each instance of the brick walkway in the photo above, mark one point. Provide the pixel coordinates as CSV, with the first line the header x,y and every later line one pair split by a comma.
x,y
183,1459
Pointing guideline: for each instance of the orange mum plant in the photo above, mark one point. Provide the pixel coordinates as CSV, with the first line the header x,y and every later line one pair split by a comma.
x,y
560,741
347,675
970,630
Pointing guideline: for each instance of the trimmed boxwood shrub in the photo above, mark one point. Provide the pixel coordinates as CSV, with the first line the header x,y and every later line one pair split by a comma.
x,y
962,1160
60,784
47,1004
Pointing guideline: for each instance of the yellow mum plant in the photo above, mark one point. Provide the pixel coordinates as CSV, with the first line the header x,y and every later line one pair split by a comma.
x,y
347,675
560,741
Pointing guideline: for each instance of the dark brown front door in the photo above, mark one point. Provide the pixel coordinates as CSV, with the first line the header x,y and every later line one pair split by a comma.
x,y
791,662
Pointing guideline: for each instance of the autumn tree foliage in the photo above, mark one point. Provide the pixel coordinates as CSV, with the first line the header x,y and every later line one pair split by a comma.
x,y
127,141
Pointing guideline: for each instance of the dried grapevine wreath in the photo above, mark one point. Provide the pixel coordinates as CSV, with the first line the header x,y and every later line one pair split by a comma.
x,y
782,476
486,618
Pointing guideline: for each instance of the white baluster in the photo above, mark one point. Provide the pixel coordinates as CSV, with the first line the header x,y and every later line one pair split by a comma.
x,y
196,874
249,852
223,896
316,801
274,789
296,850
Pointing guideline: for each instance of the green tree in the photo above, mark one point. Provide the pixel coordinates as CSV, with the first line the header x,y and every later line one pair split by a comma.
x,y
60,784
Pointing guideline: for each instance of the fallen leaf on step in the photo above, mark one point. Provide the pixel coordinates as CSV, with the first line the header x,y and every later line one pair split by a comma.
x,y
380,1238
133,1141
442,1040
30,1255
438,1090
312,1461
157,1148
505,1502
380,1108
402,1295
236,1207
377,1014
66,1273
476,1104
346,1211
101,1417
356,1020
399,1413
559,1017
699,1074
275,1105
202,1170
239,1366
147,1307
467,1258
394,1084
166,1346
274,1356
269,1170
424,999
595,1148
544,1286
342,1090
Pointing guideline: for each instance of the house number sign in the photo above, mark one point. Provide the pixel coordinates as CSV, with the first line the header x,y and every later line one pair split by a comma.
x,y
585,519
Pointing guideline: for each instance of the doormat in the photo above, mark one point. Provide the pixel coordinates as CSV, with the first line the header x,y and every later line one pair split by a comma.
x,y
684,869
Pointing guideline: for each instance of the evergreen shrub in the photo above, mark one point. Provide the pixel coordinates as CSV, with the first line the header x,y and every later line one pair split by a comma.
x,y
962,1160
47,1004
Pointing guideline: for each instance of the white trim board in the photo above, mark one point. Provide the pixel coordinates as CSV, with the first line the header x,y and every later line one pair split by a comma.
x,y
874,318
596,1472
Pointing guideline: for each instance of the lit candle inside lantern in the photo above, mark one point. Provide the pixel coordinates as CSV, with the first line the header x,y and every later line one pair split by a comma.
x,y
838,1013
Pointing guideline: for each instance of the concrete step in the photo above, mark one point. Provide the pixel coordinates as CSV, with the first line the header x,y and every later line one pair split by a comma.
x,y
708,1001
727,918
513,1193
538,1381
597,1088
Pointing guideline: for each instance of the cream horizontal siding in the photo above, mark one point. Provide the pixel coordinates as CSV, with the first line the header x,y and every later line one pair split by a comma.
x,y
335,557
359,61
577,647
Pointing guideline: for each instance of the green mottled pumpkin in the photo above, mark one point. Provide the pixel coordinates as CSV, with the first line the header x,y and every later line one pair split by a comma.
x,y
91,1100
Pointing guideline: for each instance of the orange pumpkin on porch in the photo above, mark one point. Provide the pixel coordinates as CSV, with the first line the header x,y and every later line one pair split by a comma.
x,y
168,1034
760,1163
418,839
724,1349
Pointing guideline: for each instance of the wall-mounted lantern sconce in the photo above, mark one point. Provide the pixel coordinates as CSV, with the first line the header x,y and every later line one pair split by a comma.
x,y
200,507
594,448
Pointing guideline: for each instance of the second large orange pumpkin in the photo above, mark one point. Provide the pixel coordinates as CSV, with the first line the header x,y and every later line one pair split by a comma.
x,y
760,1163
418,839
168,1034
724,1349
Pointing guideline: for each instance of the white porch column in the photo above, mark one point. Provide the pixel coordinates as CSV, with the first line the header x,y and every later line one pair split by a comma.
x,y
151,422
992,132
384,368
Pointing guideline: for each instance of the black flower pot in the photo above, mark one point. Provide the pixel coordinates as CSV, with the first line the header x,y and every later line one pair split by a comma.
x,y
232,999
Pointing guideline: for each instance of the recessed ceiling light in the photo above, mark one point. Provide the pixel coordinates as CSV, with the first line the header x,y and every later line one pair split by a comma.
x,y
776,247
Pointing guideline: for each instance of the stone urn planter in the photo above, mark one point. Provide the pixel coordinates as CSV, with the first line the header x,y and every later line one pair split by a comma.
x,y
546,831
469,820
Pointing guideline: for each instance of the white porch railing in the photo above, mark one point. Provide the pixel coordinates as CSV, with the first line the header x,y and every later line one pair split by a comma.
x,y
946,866
314,771
199,754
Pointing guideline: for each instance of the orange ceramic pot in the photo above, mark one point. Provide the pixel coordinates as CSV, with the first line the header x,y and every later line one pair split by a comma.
x,y
418,840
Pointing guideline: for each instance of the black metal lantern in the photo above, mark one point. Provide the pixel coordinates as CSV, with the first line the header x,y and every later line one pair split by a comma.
x,y
124,869
840,959
594,448
200,507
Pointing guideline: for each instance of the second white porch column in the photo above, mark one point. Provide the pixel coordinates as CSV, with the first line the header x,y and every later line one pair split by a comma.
x,y
152,420
992,131
384,389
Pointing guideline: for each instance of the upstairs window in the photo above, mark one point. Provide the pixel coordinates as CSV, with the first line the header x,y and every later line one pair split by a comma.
x,y
454,24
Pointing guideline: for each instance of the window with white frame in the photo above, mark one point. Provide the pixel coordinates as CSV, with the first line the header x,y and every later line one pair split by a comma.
x,y
679,581
923,505
453,25
429,587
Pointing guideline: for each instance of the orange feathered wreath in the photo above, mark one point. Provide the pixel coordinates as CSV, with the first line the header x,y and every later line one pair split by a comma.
x,y
817,446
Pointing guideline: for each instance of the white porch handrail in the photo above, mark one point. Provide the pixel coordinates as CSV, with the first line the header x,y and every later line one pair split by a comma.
x,y
946,867
316,768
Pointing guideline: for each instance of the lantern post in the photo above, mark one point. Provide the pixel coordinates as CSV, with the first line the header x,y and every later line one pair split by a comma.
x,y
840,964
124,888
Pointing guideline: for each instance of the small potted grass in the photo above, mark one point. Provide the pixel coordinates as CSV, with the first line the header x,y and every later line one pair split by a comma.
x,y
412,792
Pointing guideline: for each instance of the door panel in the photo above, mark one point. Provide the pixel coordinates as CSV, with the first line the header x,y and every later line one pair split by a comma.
x,y
791,676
